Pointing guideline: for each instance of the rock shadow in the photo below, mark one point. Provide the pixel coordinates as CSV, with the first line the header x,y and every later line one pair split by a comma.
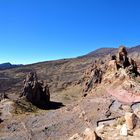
x,y
50,106
1,120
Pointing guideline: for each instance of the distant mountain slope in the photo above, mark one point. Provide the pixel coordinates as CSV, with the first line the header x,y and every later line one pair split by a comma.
x,y
133,52
8,65
102,52
134,49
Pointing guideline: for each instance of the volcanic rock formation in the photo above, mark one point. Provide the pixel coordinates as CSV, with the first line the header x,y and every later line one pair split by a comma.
x,y
93,76
118,68
35,91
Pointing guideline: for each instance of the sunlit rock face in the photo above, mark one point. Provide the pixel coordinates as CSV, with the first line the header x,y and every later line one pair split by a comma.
x,y
35,91
117,76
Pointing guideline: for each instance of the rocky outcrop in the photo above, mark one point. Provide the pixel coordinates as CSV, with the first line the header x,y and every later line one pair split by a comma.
x,y
93,76
131,120
122,57
123,82
127,63
124,62
88,134
37,92
111,72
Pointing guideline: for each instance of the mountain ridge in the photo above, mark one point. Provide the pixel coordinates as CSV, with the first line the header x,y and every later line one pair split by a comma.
x,y
105,51
8,65
100,52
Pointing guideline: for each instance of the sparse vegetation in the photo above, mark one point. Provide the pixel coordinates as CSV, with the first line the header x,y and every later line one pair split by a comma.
x,y
22,107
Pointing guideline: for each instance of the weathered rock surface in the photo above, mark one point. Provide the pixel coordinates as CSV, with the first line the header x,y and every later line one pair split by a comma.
x,y
60,124
88,134
35,91
117,70
93,76
6,109
131,120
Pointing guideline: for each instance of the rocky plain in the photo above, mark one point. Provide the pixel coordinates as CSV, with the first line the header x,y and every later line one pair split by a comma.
x,y
92,97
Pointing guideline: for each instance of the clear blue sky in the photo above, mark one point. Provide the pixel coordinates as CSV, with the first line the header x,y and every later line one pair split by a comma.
x,y
39,30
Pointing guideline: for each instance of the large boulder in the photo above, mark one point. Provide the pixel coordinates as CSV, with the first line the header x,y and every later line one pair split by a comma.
x,y
88,134
37,92
130,120
122,57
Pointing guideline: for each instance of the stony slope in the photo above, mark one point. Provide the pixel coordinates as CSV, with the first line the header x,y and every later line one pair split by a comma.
x,y
74,115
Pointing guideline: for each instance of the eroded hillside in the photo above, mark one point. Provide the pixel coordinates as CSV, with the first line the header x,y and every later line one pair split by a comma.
x,y
71,116
61,75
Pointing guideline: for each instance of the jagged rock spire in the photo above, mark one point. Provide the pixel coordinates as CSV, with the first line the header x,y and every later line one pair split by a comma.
x,y
35,91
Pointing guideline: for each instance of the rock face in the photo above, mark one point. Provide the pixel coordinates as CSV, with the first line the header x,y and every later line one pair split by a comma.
x,y
122,57
93,76
88,134
123,130
123,82
35,91
130,120
125,62
112,72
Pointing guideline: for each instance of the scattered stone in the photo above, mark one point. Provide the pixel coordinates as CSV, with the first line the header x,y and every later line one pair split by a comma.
x,y
90,135
130,120
82,114
136,107
112,65
127,108
120,121
123,131
130,132
137,112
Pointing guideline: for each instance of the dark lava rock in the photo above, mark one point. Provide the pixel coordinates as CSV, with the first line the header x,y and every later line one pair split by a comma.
x,y
37,92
